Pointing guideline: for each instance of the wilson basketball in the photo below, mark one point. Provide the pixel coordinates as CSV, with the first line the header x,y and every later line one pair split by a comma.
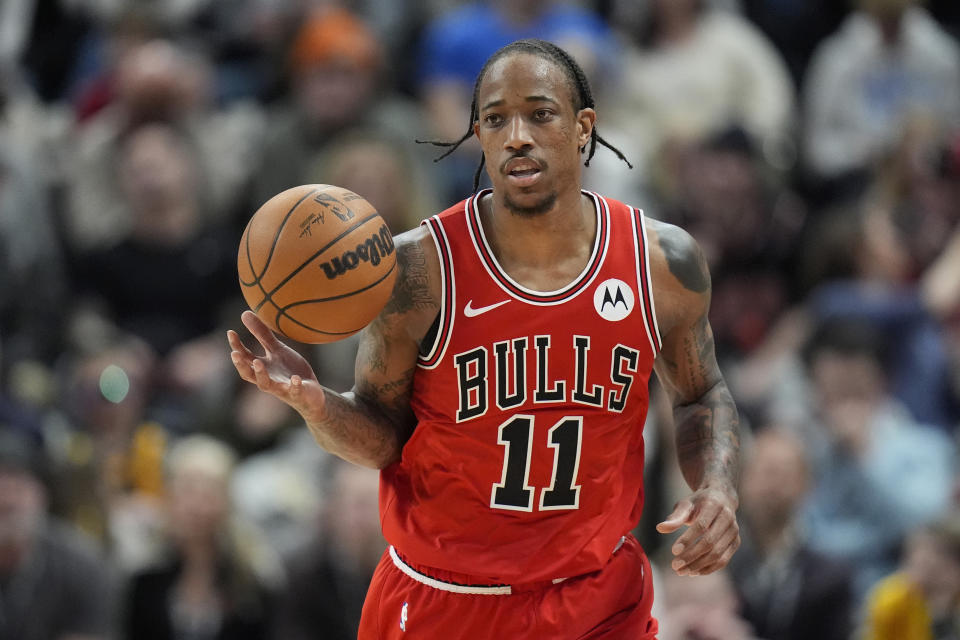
x,y
316,263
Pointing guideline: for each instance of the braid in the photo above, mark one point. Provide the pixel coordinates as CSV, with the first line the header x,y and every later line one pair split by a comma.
x,y
550,51
586,100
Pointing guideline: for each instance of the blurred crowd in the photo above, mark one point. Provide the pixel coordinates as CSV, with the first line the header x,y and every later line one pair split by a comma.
x,y
812,147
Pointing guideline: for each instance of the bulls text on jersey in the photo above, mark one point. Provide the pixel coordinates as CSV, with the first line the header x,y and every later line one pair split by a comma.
x,y
502,376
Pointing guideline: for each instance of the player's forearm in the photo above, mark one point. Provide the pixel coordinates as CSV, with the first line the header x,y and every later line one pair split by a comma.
x,y
357,431
708,440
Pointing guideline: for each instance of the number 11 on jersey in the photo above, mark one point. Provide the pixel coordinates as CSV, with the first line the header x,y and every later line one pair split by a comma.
x,y
514,492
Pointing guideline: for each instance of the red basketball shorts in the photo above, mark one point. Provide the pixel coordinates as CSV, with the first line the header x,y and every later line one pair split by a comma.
x,y
407,602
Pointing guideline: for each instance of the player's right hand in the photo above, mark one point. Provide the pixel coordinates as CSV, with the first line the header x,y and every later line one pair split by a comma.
x,y
280,371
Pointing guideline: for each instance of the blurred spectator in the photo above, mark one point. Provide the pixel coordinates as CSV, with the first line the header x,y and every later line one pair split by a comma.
x,y
693,71
109,475
456,44
921,601
397,24
190,266
158,81
889,64
244,39
879,473
54,584
98,65
329,579
33,288
218,580
919,184
281,489
721,191
789,592
859,259
337,79
701,608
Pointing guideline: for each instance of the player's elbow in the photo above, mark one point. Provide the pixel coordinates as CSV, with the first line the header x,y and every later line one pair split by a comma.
x,y
374,457
384,460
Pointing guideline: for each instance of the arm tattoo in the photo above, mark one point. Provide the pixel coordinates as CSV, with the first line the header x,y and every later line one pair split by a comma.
x,y
355,431
371,423
708,439
707,424
688,266
412,289
392,396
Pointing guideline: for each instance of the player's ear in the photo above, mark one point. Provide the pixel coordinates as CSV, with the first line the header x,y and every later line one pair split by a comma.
x,y
586,119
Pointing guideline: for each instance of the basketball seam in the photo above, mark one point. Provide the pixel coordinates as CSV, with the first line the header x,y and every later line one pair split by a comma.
x,y
268,295
282,311
273,246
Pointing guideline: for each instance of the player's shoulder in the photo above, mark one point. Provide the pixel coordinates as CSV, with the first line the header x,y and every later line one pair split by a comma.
x,y
676,257
679,274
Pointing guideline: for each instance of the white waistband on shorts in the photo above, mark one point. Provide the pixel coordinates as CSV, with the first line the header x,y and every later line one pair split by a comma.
x,y
452,587
493,590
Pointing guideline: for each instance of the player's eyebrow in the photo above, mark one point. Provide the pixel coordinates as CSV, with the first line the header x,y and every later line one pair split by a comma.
x,y
497,103
541,99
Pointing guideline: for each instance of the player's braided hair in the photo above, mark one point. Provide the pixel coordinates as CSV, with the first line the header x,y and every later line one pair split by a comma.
x,y
583,97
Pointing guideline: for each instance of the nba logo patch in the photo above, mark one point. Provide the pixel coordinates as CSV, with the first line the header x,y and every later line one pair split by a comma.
x,y
613,300
403,617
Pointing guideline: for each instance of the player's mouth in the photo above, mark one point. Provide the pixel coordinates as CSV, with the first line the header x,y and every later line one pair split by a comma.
x,y
523,171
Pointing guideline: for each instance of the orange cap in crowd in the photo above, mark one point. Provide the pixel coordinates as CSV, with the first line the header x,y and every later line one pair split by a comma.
x,y
334,36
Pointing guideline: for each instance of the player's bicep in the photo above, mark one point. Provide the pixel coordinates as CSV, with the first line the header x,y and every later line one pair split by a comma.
x,y
387,355
687,363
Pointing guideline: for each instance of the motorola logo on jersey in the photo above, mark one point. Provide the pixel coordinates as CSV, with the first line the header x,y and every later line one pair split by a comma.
x,y
613,300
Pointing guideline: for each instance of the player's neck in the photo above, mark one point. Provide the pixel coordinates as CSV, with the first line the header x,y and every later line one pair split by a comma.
x,y
559,240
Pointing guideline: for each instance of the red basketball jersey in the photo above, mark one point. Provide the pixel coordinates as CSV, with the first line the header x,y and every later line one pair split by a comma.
x,y
527,460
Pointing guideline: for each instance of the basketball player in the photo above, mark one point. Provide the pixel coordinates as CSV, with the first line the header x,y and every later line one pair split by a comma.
x,y
502,391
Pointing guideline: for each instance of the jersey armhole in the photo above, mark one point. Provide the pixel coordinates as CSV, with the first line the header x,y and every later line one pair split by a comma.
x,y
644,280
431,354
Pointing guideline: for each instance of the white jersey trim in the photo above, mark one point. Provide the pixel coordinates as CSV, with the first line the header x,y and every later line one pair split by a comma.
x,y
643,277
447,298
649,278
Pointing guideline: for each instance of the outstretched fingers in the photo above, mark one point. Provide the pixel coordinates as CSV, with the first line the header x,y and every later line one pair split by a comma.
x,y
260,331
241,357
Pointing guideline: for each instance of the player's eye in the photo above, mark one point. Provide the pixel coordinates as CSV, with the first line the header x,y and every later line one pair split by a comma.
x,y
542,114
493,119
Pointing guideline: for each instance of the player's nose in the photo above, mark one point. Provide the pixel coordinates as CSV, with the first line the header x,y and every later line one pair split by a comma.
x,y
518,134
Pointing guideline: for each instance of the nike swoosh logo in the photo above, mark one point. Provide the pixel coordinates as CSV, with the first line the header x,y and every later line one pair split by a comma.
x,y
470,311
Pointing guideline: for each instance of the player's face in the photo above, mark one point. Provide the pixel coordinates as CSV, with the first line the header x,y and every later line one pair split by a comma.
x,y
530,133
